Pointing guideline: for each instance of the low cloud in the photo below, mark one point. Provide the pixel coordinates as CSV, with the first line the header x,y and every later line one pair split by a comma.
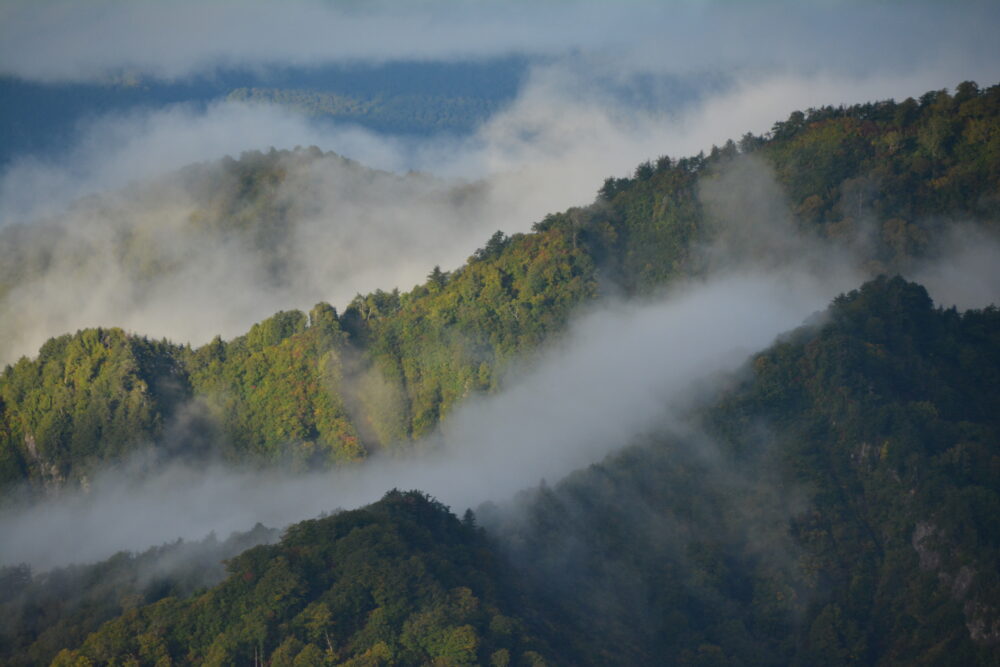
x,y
548,150
622,370
966,272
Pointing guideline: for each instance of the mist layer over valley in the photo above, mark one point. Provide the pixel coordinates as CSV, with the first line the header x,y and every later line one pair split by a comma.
x,y
420,383
613,370
621,371
645,309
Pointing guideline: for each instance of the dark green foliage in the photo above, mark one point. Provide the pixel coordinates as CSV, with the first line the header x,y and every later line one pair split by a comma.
x,y
879,414
648,229
393,364
44,613
842,510
846,511
660,556
402,581
892,174
843,513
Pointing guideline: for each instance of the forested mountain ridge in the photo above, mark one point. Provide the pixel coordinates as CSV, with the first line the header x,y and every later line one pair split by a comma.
x,y
43,613
100,388
402,581
885,179
838,506
888,176
281,221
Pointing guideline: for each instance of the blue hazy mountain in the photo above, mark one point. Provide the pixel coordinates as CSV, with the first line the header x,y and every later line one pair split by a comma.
x,y
400,97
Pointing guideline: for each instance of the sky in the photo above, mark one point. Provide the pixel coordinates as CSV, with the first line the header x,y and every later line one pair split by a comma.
x,y
63,40
572,123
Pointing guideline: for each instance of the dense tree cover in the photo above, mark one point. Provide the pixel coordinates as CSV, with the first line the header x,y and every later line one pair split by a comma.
x,y
842,510
660,555
839,506
43,613
402,581
301,390
87,398
889,176
889,417
323,389
274,392
450,337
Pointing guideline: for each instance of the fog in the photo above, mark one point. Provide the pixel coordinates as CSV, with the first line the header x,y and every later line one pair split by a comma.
x,y
82,213
622,370
574,122
967,273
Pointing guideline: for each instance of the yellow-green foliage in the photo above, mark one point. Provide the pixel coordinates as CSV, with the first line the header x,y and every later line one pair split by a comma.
x,y
88,397
274,391
450,337
847,513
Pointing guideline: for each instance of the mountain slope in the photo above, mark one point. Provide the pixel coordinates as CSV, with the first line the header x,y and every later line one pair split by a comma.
x,y
840,508
885,182
42,613
401,581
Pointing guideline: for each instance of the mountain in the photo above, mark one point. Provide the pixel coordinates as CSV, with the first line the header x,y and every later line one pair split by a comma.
x,y
836,507
41,118
45,612
399,114
884,182
278,221
400,581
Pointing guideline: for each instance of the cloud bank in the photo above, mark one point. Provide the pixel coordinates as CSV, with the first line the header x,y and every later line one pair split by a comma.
x,y
622,371
550,149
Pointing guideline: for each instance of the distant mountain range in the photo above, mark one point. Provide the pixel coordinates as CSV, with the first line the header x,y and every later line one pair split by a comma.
x,y
405,97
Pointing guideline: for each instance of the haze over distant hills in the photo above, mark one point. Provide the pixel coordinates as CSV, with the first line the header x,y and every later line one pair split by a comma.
x,y
692,305
400,98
